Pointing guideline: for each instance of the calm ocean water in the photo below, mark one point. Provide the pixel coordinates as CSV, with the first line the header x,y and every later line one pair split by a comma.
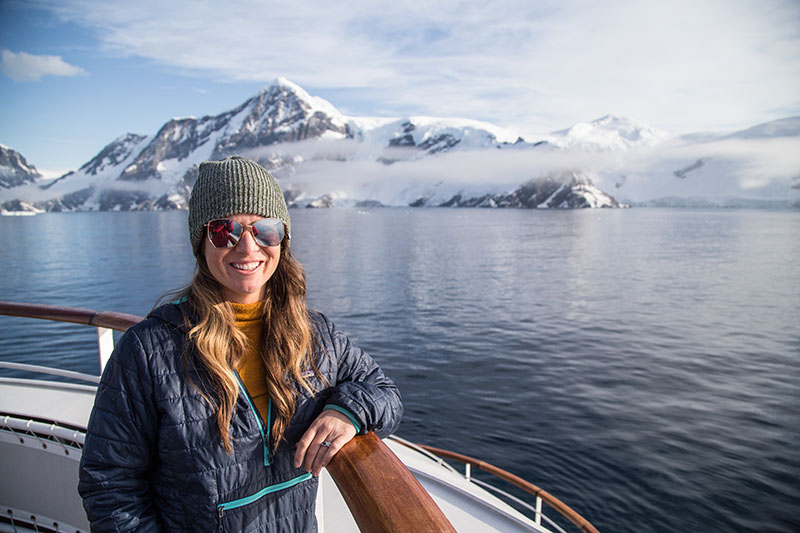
x,y
642,365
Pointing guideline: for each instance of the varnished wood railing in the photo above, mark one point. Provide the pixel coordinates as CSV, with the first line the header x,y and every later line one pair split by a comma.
x,y
104,321
383,496
76,315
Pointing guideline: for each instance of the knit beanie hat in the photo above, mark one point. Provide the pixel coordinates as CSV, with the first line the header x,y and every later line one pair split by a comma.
x,y
235,185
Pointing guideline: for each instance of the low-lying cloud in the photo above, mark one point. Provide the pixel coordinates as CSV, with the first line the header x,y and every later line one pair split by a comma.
x,y
730,167
347,170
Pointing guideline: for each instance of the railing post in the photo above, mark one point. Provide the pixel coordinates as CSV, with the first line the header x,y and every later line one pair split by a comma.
x,y
538,517
105,343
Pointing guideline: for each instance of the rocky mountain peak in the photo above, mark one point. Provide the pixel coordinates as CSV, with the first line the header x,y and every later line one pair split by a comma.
x,y
113,154
279,113
282,112
15,170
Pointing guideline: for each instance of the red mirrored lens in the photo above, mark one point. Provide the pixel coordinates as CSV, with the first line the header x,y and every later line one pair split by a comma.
x,y
224,233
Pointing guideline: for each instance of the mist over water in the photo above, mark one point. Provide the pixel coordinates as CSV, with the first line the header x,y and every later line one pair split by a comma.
x,y
641,365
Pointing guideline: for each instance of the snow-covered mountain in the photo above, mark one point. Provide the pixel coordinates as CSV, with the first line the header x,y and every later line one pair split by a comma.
x,y
320,156
563,190
324,158
609,133
785,127
15,170
755,167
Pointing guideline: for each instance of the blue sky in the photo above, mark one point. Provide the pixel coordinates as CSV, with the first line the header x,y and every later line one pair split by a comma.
x,y
78,73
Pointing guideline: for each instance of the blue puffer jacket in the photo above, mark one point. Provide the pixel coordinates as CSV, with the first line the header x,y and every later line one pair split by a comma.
x,y
153,460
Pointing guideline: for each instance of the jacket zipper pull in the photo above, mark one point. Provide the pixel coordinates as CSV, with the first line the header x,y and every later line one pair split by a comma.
x,y
221,512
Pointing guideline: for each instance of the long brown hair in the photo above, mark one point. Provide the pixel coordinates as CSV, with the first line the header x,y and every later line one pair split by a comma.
x,y
218,346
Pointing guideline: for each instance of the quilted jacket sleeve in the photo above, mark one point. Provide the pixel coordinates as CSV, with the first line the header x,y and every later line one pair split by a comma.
x,y
362,389
120,444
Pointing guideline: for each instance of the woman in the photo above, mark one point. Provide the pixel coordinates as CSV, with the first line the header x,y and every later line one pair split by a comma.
x,y
219,410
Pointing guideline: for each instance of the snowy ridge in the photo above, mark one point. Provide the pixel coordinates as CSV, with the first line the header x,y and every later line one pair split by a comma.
x,y
786,127
610,133
324,158
314,103
115,155
422,131
15,170
557,190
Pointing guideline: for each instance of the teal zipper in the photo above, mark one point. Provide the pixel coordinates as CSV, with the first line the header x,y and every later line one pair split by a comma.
x,y
264,435
263,492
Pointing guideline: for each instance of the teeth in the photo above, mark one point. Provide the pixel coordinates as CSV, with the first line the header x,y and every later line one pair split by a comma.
x,y
246,266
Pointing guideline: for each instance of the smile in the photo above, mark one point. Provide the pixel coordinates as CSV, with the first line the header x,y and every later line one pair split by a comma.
x,y
246,267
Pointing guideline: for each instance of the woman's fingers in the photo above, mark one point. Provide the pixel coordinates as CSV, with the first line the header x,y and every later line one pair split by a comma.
x,y
323,439
324,453
302,447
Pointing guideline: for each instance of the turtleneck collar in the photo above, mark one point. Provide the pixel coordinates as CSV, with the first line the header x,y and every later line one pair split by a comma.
x,y
248,312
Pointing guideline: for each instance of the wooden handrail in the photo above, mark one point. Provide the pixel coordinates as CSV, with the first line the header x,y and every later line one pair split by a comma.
x,y
382,494
564,509
76,315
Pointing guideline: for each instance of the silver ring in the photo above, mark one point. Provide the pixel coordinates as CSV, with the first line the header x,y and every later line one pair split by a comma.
x,y
326,443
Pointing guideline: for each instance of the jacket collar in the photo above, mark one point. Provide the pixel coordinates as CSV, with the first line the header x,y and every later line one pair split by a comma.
x,y
174,313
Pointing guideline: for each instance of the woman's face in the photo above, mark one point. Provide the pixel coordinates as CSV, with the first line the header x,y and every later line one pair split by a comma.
x,y
244,269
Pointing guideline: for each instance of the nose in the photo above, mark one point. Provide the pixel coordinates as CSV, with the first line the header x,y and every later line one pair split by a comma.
x,y
247,243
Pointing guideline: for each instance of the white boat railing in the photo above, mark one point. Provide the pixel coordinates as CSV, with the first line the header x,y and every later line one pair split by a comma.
x,y
539,516
80,376
43,430
536,509
541,495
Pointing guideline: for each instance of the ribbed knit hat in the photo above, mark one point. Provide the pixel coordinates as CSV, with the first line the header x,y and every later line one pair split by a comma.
x,y
235,185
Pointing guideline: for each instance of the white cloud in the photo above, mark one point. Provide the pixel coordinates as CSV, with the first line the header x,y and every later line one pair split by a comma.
x,y
28,67
765,168
681,65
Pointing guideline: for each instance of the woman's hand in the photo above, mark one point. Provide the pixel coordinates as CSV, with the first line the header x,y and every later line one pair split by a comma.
x,y
330,427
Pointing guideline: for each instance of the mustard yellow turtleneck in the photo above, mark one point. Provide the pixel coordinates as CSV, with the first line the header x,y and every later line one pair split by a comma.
x,y
251,368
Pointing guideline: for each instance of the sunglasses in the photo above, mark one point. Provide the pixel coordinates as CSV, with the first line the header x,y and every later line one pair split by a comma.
x,y
225,233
